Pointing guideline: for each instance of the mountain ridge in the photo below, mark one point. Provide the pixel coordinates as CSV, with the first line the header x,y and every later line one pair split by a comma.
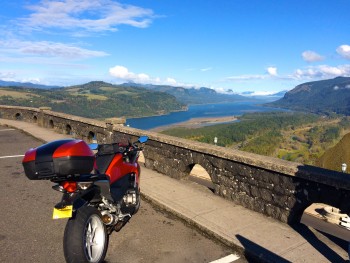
x,y
94,100
191,95
321,97
4,83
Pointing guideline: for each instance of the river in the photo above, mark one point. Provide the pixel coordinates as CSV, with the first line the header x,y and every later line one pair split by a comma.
x,y
198,111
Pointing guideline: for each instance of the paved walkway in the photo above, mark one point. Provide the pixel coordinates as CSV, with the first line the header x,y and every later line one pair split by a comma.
x,y
250,232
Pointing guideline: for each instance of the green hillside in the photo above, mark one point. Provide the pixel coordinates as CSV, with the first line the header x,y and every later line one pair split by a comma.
x,y
335,156
322,97
291,136
94,100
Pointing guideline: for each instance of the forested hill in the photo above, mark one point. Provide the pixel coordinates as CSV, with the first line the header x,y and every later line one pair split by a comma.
x,y
324,97
26,84
194,95
95,99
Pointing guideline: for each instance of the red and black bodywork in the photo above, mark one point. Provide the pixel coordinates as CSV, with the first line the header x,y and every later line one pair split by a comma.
x,y
100,191
70,162
119,163
58,159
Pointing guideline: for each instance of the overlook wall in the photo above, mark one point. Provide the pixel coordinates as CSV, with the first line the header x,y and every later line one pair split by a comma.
x,y
274,187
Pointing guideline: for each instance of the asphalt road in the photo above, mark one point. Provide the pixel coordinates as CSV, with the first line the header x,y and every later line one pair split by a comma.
x,y
28,234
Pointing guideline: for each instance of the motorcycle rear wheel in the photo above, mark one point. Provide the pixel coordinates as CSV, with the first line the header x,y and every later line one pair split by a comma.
x,y
85,237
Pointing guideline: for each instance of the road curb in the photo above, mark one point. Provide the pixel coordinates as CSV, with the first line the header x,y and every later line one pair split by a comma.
x,y
26,132
240,250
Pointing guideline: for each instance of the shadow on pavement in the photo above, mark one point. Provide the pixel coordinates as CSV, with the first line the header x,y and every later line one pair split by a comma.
x,y
318,244
256,253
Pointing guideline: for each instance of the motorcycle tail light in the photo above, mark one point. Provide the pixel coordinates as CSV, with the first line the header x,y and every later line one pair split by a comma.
x,y
70,187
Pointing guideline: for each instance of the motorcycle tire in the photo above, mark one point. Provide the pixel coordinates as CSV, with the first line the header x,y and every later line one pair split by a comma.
x,y
85,237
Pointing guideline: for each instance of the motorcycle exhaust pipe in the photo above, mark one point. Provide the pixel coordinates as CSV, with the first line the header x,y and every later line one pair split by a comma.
x,y
108,219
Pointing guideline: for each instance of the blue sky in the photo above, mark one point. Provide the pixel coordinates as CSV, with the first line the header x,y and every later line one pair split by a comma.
x,y
239,45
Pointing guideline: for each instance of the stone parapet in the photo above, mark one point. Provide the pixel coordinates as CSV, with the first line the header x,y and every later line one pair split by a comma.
x,y
274,187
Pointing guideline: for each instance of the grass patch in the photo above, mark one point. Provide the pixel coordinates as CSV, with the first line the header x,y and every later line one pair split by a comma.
x,y
107,88
90,96
17,94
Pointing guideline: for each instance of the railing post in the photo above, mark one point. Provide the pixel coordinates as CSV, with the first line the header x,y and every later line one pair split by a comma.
x,y
109,132
41,116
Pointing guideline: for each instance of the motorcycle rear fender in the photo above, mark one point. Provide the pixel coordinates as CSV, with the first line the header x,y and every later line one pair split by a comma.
x,y
83,197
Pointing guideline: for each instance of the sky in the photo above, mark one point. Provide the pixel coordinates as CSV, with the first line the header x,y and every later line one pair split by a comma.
x,y
240,46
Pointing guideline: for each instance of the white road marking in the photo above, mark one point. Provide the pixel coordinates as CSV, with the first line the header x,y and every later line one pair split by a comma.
x,y
11,156
7,130
228,259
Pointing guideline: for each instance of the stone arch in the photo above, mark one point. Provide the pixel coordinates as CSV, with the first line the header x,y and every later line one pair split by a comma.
x,y
91,137
35,119
201,176
51,124
142,158
317,214
18,116
68,130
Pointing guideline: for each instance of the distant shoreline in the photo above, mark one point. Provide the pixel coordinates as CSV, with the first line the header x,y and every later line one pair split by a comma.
x,y
217,114
184,108
196,123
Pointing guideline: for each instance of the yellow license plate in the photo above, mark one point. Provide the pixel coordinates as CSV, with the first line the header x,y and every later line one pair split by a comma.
x,y
65,212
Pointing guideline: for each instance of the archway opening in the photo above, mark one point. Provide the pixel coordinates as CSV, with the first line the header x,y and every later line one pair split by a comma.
x,y
329,220
142,158
68,130
18,116
200,176
35,119
91,137
51,124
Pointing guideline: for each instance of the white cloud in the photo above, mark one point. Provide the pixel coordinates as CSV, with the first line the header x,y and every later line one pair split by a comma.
x,y
171,81
143,77
311,56
333,71
12,76
246,77
260,93
87,15
222,90
322,72
60,50
122,73
32,80
308,73
272,71
8,76
206,69
51,49
344,51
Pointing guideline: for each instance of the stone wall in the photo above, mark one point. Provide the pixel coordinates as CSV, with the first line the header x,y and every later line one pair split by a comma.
x,y
274,187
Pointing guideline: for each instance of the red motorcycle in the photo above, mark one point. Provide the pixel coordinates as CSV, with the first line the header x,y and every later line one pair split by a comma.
x,y
101,191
